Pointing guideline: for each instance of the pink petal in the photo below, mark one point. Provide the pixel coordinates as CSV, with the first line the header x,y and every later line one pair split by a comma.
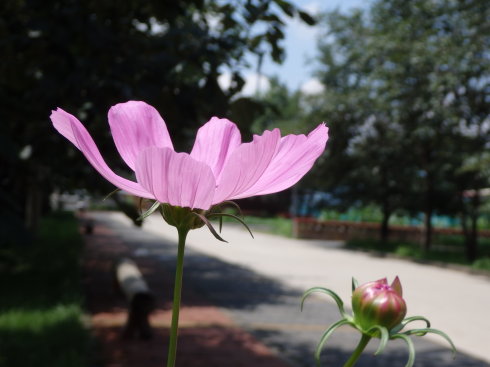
x,y
246,165
215,141
72,129
175,178
294,157
135,126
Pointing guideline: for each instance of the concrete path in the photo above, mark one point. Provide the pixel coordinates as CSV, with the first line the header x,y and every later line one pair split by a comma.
x,y
455,302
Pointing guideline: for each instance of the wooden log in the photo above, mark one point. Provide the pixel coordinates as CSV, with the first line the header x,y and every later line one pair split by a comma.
x,y
141,300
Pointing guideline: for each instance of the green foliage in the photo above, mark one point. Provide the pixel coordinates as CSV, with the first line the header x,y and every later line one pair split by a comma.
x,y
85,56
275,225
40,310
406,100
51,337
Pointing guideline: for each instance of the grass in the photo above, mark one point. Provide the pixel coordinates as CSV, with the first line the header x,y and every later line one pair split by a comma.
x,y
41,302
275,225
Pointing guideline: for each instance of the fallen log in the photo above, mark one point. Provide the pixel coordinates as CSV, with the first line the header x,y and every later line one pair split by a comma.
x,y
139,296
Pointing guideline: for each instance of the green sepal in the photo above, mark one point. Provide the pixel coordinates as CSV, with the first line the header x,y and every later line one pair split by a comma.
x,y
355,284
325,337
383,338
408,320
150,211
329,292
424,331
411,348
110,194
211,228
234,217
235,205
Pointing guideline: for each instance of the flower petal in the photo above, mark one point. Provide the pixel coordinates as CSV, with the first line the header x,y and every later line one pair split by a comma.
x,y
215,141
246,165
72,129
294,157
175,178
135,126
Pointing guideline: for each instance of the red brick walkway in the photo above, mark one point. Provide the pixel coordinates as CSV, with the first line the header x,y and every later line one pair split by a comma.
x,y
207,337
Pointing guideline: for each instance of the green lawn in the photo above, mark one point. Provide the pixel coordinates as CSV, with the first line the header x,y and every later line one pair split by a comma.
x,y
41,301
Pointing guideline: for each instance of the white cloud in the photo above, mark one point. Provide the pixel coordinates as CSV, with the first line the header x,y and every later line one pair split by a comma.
x,y
253,83
312,86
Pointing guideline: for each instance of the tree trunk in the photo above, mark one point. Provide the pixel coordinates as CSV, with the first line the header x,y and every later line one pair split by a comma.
x,y
429,211
471,240
428,227
385,229
33,206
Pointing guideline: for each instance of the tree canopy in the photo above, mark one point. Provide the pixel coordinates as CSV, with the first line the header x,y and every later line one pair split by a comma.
x,y
407,101
85,56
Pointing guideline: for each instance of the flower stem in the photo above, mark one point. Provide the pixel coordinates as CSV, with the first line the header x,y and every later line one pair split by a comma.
x,y
174,328
358,351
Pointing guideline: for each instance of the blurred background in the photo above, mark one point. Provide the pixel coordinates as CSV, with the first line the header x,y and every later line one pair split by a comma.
x,y
404,87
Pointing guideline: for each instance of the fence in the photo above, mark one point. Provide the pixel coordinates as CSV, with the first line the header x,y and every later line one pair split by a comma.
x,y
346,230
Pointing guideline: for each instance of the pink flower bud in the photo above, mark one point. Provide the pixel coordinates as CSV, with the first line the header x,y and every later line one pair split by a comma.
x,y
377,303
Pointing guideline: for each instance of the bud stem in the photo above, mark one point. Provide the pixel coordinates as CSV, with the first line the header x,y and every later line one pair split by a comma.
x,y
174,328
358,351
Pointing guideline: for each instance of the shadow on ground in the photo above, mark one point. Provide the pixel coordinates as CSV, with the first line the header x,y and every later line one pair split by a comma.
x,y
261,306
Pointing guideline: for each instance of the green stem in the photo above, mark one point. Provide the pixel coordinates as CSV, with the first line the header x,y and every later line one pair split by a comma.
x,y
174,328
358,351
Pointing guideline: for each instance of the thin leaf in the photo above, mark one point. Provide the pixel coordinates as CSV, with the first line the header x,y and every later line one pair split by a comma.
x,y
325,337
211,228
411,349
140,204
150,211
408,320
307,18
220,224
383,338
332,294
110,194
422,332
235,205
234,217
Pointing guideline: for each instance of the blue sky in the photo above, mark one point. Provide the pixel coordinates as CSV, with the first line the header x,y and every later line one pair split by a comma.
x,y
300,46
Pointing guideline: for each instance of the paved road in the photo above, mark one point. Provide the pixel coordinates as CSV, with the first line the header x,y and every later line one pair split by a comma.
x,y
259,282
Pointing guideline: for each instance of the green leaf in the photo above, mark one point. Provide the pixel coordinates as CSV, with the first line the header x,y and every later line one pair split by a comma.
x,y
110,194
234,217
211,228
285,6
150,211
383,338
408,320
325,337
332,294
411,349
422,332
234,205
307,18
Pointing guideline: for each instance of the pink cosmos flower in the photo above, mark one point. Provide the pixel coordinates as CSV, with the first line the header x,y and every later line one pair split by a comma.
x,y
220,167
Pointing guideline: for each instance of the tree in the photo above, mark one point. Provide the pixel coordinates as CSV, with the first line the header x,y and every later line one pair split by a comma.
x,y
404,83
85,56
